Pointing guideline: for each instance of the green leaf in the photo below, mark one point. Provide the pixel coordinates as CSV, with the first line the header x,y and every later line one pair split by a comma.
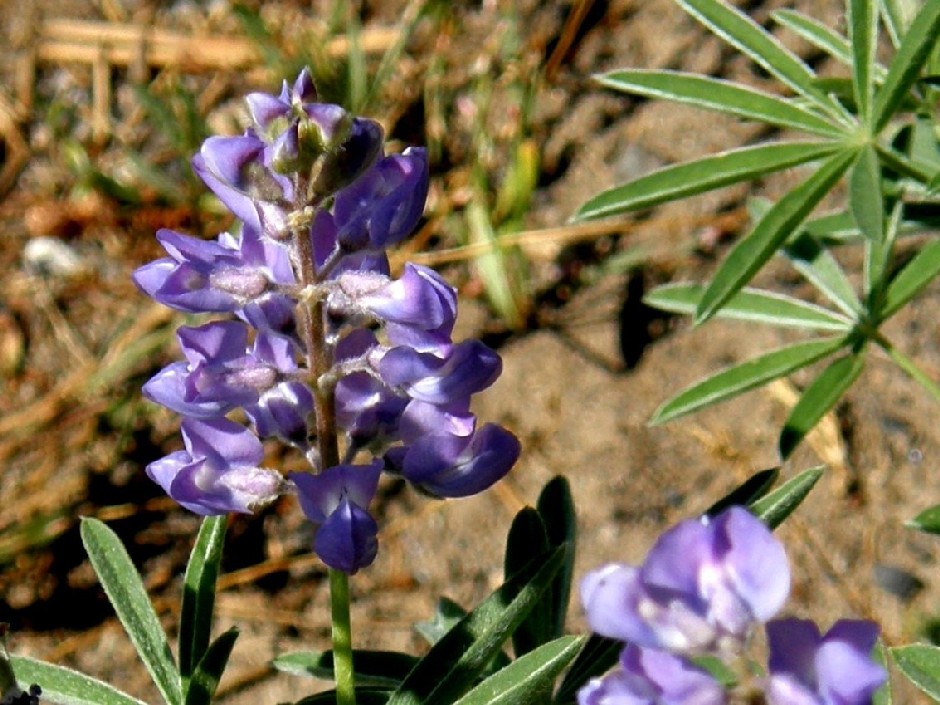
x,y
748,375
64,686
921,664
776,506
366,695
498,267
454,663
719,95
526,680
882,696
821,269
816,33
750,254
205,679
689,178
748,492
556,507
927,521
866,201
127,595
913,278
893,16
739,30
907,63
863,32
380,668
818,398
596,658
198,600
754,305
528,537
448,614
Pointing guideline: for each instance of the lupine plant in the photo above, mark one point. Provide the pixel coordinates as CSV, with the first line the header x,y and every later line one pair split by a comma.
x,y
318,347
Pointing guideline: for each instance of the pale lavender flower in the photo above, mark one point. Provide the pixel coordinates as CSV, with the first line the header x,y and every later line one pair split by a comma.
x,y
219,470
809,668
702,587
653,677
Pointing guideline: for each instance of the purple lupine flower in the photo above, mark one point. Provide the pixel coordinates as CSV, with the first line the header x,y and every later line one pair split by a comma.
x,y
809,668
337,501
653,677
219,472
701,588
467,368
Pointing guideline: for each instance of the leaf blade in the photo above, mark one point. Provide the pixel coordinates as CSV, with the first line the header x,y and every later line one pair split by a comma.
x,y
777,505
67,686
921,664
821,269
866,202
198,600
912,279
863,24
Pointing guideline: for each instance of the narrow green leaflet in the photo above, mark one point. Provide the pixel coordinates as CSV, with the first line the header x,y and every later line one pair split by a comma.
x,y
748,492
927,521
528,537
526,679
381,668
748,375
821,269
198,599
866,201
445,618
689,178
556,507
882,696
64,686
893,17
125,591
719,95
205,679
739,30
598,656
912,279
818,398
906,65
450,668
751,253
754,305
863,32
776,506
921,664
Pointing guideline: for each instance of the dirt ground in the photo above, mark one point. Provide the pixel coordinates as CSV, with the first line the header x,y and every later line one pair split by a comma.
x,y
579,384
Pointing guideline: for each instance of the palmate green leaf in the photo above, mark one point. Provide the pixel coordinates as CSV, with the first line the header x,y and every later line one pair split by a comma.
x,y
526,680
719,95
205,679
777,505
598,656
739,30
746,376
751,253
907,63
127,595
198,600
454,663
64,686
913,278
921,664
381,668
528,536
748,492
866,201
689,178
818,398
863,32
556,507
927,521
821,269
753,305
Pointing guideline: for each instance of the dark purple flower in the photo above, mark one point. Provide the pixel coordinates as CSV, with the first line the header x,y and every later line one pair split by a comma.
x,y
336,501
219,470
283,412
703,585
808,668
653,677
467,368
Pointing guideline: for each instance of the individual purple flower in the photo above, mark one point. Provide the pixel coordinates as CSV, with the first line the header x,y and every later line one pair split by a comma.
x,y
336,501
701,588
809,668
653,677
219,471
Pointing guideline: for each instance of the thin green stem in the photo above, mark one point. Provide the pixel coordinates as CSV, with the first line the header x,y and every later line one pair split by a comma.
x,y
908,365
342,638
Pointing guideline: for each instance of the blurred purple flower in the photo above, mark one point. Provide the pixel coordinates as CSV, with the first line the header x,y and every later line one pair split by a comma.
x,y
337,502
808,668
701,588
219,470
652,677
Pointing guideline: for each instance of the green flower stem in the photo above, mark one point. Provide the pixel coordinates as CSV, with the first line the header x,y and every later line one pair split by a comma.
x,y
907,364
342,638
